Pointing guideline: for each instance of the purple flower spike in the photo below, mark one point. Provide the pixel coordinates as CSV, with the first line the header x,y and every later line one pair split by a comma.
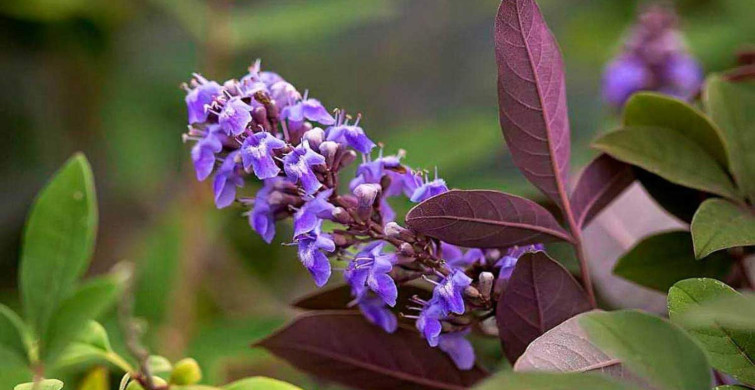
x,y
449,291
203,155
428,322
227,179
374,311
509,260
311,246
623,77
369,270
235,116
315,210
351,135
456,346
203,94
454,256
309,109
373,172
257,153
298,166
262,217
428,189
684,76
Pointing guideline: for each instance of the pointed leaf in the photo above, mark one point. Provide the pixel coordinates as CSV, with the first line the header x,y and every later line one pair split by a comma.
x,y
669,155
484,219
659,110
75,312
14,336
345,348
58,240
44,384
550,381
540,295
663,259
260,383
651,348
532,97
730,350
720,224
732,107
604,179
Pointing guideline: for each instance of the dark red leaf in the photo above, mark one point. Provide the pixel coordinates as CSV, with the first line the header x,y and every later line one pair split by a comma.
x,y
540,295
484,219
600,183
345,348
532,96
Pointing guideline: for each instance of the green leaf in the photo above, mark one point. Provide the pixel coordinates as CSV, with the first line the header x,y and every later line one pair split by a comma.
x,y
260,383
655,109
660,260
551,381
45,384
730,350
719,224
159,365
94,334
13,370
651,348
736,312
670,155
96,379
732,107
14,336
87,303
58,240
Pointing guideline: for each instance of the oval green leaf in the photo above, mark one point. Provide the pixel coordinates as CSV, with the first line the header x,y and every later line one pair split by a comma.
x,y
260,383
45,384
719,224
552,381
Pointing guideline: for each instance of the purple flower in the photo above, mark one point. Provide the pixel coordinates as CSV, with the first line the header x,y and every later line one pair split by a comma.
x,y
227,179
203,155
456,346
351,135
284,93
369,270
684,77
234,116
308,217
509,260
262,217
623,77
428,322
200,96
375,311
298,166
309,109
448,292
311,246
373,172
427,189
455,258
257,153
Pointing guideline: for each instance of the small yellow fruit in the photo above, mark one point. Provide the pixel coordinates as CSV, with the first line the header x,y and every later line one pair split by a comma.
x,y
156,380
186,372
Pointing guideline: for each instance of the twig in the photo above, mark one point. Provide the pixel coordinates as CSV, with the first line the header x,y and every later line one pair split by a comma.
x,y
132,333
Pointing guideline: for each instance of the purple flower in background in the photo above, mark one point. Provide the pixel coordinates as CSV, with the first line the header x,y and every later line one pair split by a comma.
x,y
262,216
257,153
203,155
448,292
298,166
374,310
309,109
311,246
508,261
623,77
456,346
234,116
369,270
308,217
454,256
684,77
203,93
227,179
428,189
428,322
351,135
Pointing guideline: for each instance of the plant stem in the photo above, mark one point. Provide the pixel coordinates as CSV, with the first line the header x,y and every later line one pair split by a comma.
x,y
576,233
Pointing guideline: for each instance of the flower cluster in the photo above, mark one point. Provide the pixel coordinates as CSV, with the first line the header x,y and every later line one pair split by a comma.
x,y
261,128
654,58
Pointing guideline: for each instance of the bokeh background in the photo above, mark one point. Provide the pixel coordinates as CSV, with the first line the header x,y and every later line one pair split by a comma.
x,y
103,76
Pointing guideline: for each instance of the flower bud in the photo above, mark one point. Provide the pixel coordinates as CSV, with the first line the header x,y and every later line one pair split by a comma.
x,y
407,250
341,216
366,195
259,115
156,380
186,372
485,284
394,230
348,157
329,149
314,137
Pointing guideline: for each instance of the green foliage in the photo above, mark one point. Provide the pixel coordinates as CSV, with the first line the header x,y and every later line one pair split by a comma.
x,y
651,348
658,110
58,241
670,155
730,350
663,259
186,372
719,224
551,381
736,312
260,383
732,107
92,344
45,384
14,336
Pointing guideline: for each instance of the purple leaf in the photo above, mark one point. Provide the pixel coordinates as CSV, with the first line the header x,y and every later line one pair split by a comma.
x,y
540,295
532,97
600,183
484,219
342,347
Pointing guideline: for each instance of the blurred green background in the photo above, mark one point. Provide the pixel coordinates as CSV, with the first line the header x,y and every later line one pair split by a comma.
x,y
102,76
